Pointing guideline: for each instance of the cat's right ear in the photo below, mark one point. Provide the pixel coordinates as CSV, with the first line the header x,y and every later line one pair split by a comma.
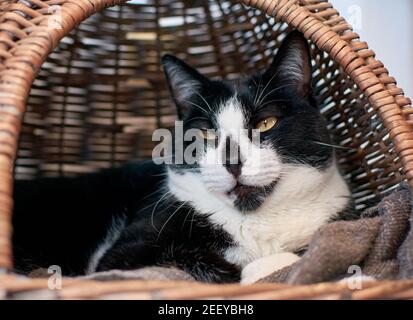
x,y
291,67
184,82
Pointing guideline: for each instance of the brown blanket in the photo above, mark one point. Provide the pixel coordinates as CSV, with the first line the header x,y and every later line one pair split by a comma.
x,y
379,245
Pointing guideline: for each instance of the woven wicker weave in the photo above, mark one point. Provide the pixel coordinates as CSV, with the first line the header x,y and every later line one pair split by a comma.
x,y
76,98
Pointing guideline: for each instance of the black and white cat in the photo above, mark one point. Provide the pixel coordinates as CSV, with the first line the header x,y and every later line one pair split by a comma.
x,y
242,217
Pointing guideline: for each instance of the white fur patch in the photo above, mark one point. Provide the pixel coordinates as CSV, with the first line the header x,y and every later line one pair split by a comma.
x,y
112,236
266,266
261,166
303,200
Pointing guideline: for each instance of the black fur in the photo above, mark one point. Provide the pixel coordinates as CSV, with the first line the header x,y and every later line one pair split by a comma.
x,y
62,221
300,137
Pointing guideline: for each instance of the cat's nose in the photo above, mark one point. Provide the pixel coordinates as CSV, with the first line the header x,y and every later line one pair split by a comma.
x,y
232,157
234,169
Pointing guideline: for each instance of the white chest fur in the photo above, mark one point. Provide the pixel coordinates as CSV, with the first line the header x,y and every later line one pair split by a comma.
x,y
303,201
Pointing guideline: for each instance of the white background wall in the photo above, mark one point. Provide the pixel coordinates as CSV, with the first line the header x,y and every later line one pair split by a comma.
x,y
387,25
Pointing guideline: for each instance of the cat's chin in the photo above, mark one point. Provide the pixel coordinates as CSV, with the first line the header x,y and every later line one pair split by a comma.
x,y
242,190
250,198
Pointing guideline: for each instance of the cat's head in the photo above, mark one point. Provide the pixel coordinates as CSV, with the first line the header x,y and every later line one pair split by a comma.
x,y
234,164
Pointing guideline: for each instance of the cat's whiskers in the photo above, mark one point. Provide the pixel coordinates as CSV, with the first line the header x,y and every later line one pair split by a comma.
x,y
268,102
169,218
258,90
192,223
186,217
160,175
206,102
191,211
268,83
196,105
275,90
150,205
333,145
156,191
168,193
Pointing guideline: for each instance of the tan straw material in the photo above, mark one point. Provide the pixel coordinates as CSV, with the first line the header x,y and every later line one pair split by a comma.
x,y
81,88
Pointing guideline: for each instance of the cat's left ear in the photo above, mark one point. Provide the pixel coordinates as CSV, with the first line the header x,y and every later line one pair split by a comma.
x,y
184,83
291,67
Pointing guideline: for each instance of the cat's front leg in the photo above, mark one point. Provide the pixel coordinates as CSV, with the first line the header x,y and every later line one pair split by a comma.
x,y
203,265
264,267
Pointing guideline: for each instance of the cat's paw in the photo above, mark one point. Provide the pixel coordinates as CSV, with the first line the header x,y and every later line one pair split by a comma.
x,y
264,267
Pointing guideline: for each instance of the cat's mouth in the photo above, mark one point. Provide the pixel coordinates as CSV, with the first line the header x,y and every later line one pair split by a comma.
x,y
242,189
249,198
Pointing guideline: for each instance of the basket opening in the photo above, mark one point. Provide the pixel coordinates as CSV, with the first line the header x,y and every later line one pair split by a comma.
x,y
101,93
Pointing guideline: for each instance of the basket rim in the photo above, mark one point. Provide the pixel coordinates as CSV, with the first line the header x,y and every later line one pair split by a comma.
x,y
17,287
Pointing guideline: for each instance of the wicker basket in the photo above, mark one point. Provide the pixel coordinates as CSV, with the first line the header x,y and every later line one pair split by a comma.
x,y
76,98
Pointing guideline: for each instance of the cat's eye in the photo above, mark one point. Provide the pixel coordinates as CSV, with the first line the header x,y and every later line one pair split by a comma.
x,y
266,124
208,134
